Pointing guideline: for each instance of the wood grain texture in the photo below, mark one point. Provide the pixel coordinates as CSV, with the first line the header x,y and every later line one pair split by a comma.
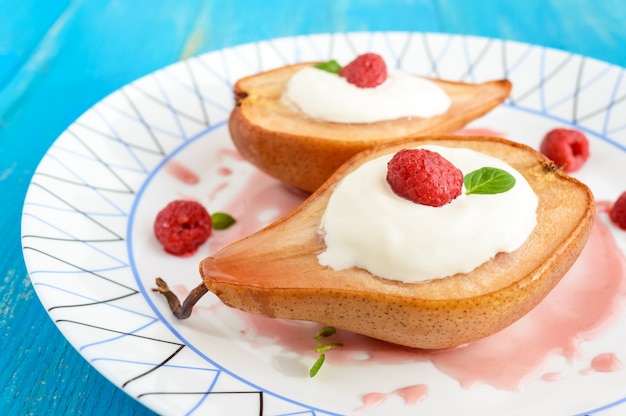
x,y
58,58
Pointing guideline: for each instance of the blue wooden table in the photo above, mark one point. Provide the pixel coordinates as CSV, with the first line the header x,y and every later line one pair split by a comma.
x,y
58,58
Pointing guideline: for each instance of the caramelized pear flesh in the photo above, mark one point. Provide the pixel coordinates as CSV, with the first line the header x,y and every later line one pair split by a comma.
x,y
275,272
304,152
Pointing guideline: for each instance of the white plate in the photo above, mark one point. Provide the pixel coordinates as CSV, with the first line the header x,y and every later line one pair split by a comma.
x,y
90,252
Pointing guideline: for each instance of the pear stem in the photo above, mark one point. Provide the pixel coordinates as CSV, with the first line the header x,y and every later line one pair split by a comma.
x,y
184,311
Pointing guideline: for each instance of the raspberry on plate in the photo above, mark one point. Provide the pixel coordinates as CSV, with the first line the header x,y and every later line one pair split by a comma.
x,y
182,226
365,71
567,148
618,212
424,177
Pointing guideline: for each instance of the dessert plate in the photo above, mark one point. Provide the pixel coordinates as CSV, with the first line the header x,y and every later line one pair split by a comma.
x,y
91,255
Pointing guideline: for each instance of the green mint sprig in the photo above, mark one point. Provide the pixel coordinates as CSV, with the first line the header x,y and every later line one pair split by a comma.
x,y
331,66
321,348
488,180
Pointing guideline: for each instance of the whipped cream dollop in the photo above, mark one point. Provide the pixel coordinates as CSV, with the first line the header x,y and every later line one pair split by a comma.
x,y
366,225
329,97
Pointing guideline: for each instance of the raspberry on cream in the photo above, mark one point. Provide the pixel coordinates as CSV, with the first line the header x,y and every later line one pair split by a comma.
x,y
366,225
424,177
366,71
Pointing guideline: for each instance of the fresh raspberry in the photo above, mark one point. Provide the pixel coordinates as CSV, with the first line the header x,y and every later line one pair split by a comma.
x,y
366,71
618,212
424,177
182,226
567,148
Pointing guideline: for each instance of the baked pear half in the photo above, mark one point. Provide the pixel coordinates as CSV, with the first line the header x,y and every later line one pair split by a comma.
x,y
303,152
275,272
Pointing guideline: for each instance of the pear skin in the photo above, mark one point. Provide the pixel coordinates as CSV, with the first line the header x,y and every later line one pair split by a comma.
x,y
303,152
275,272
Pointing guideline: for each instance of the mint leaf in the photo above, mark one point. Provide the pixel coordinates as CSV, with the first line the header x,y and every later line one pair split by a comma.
x,y
316,367
488,181
221,221
331,66
325,332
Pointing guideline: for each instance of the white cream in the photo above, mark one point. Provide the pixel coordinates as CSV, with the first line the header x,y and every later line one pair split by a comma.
x,y
367,225
329,97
